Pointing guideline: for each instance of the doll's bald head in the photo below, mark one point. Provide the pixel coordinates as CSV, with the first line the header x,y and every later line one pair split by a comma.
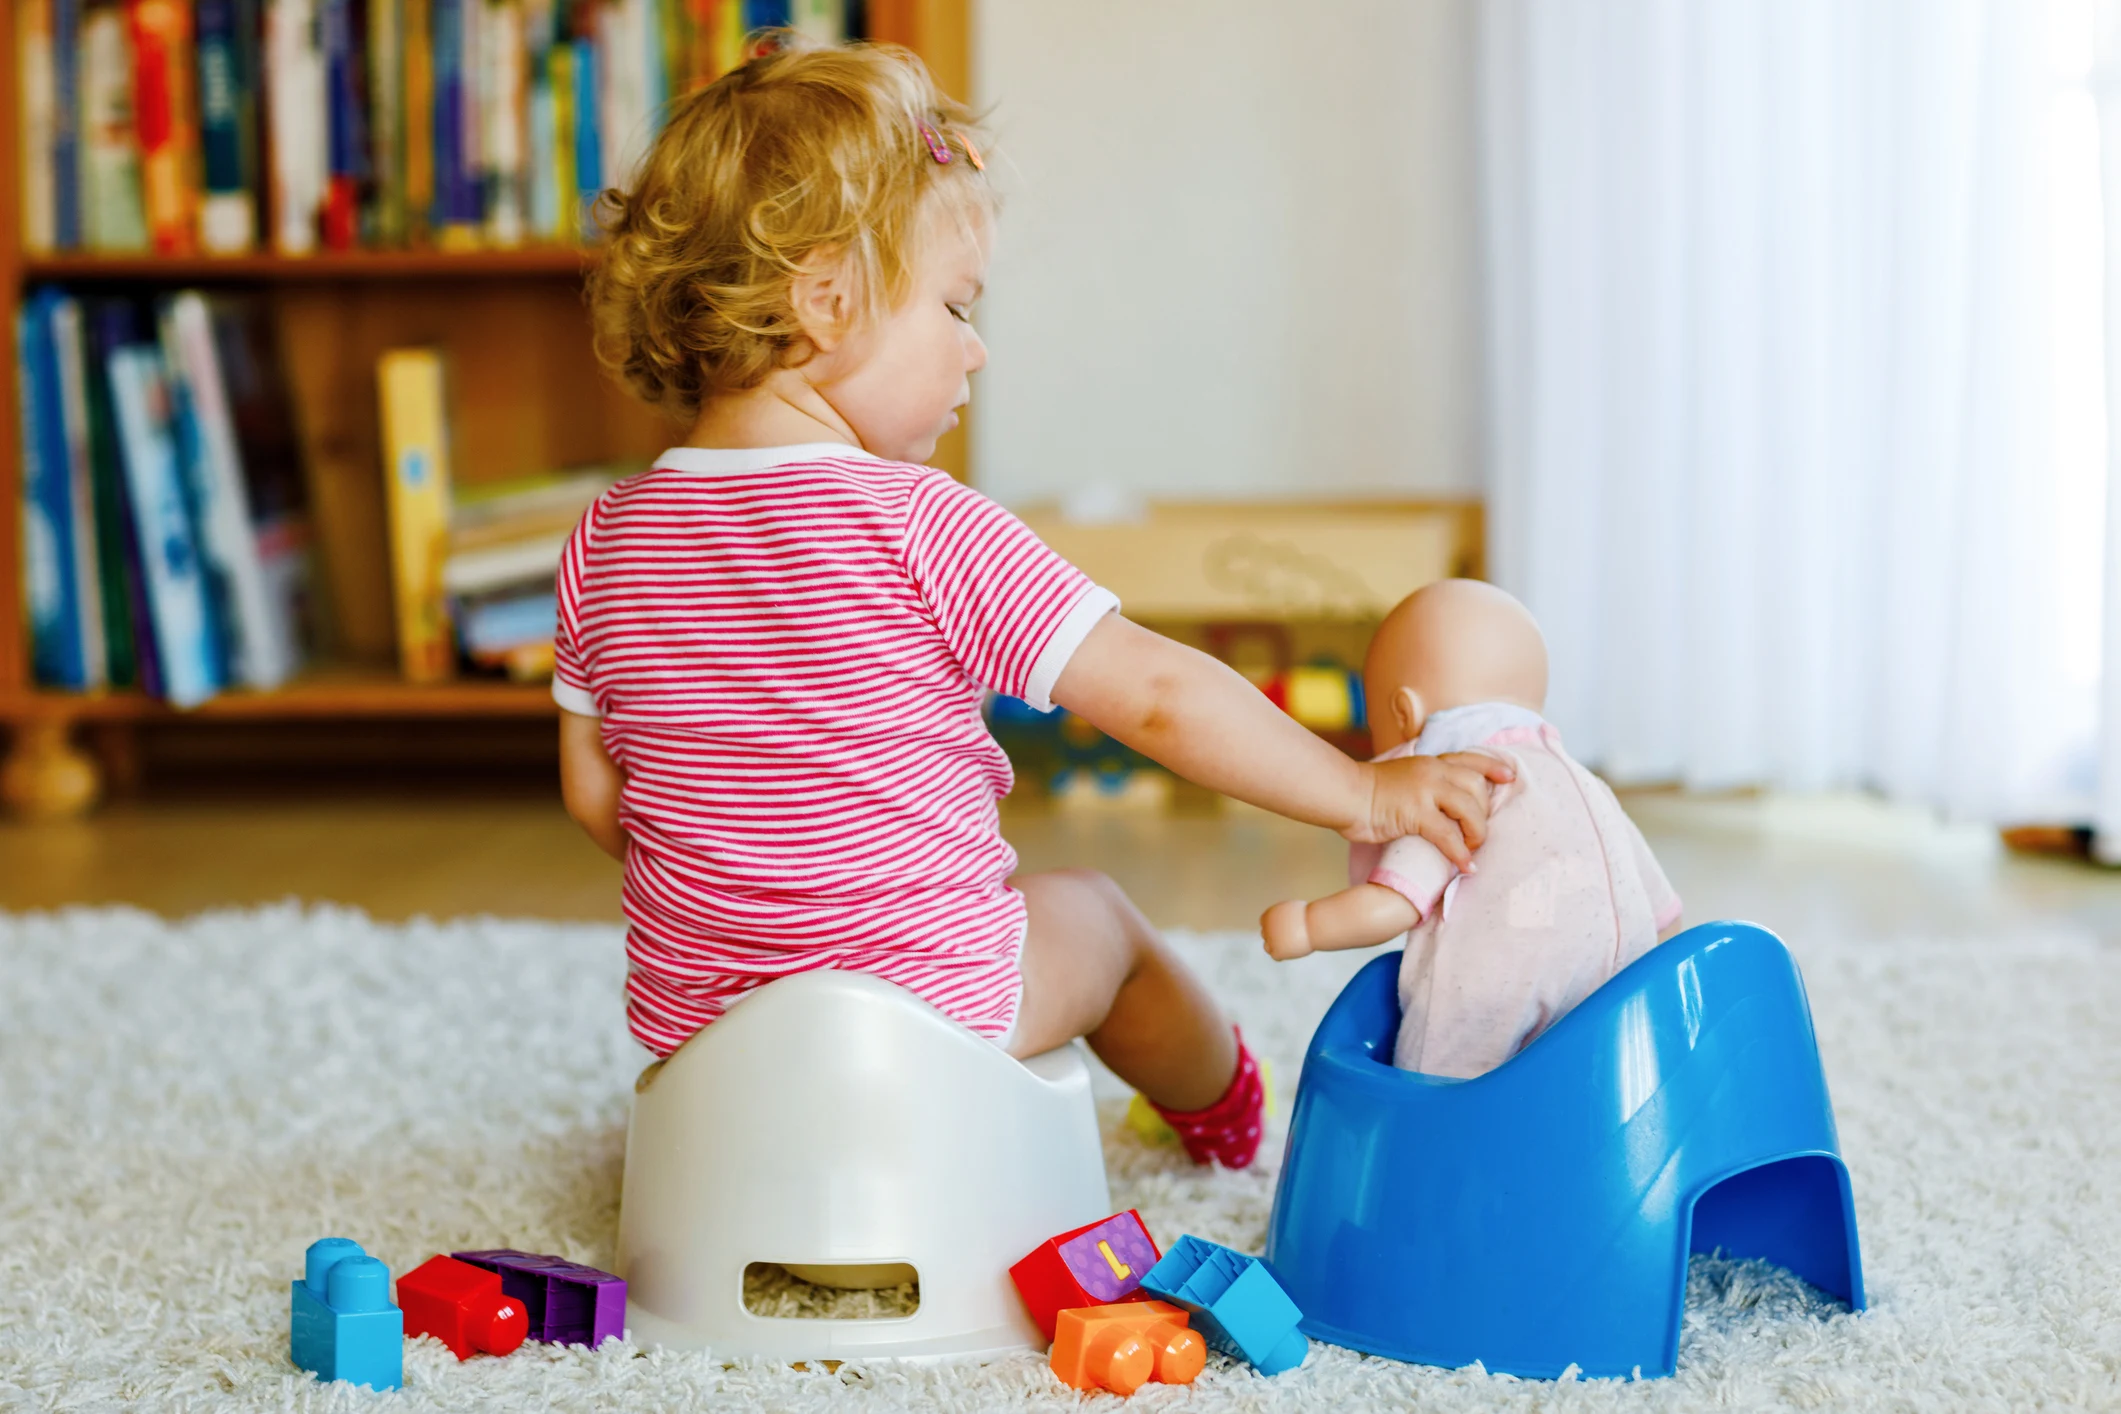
x,y
1451,644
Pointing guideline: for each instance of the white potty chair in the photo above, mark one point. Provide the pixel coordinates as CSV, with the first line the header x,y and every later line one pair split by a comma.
x,y
834,1122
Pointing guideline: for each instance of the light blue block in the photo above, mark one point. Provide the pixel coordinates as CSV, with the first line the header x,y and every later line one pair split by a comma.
x,y
1541,1215
1236,1304
341,1324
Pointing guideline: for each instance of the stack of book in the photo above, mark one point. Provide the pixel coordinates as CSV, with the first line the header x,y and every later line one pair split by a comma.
x,y
473,569
165,533
504,551
186,125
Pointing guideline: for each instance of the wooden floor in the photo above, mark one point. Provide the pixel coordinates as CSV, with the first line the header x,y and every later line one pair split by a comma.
x,y
1842,863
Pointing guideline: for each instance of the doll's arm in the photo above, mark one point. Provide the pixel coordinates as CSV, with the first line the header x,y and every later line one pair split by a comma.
x,y
590,782
1178,706
1360,917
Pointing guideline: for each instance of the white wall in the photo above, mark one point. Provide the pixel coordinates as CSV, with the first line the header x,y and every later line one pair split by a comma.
x,y
1238,256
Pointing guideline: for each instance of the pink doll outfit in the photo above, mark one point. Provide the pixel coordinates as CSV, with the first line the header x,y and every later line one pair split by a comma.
x,y
1564,893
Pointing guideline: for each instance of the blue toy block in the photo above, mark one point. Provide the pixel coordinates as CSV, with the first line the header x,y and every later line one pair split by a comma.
x,y
1236,1304
342,1325
1541,1215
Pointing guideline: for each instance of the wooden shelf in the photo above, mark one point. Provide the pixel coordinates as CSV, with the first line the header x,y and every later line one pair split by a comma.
x,y
553,261
527,394
331,691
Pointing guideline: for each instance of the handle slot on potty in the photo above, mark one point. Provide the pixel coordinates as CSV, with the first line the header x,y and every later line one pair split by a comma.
x,y
843,1291
834,1122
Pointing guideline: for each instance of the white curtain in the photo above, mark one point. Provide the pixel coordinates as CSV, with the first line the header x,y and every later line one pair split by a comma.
x,y
1781,445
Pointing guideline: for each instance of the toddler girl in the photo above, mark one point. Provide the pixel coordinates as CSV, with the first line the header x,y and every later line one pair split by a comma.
x,y
773,644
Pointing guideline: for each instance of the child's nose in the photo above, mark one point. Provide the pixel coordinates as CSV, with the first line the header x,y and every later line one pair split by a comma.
x,y
975,350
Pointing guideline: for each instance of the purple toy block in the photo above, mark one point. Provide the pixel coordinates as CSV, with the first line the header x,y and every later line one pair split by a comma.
x,y
569,1304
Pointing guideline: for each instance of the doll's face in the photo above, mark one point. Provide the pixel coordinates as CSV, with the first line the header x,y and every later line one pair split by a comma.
x,y
1451,644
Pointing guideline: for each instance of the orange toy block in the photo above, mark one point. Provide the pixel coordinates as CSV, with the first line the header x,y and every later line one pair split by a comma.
x,y
462,1306
1123,1347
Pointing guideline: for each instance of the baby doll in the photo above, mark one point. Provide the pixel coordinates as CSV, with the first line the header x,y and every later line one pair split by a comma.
x,y
1561,895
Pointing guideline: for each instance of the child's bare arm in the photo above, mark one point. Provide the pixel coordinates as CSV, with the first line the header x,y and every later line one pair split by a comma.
x,y
1360,917
590,781
1180,707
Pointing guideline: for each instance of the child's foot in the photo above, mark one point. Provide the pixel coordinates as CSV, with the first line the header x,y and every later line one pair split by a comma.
x,y
1226,1132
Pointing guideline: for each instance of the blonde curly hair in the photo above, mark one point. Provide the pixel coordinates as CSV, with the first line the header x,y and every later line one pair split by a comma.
x,y
804,156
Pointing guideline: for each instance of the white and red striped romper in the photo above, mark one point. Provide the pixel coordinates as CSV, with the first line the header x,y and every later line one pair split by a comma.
x,y
787,647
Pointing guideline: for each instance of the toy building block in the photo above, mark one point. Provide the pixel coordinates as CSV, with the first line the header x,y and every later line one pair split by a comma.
x,y
462,1306
1236,1303
1123,1347
1091,1266
341,1324
568,1303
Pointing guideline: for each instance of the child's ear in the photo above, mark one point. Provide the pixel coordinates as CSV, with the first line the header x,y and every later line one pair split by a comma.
x,y
822,302
1408,712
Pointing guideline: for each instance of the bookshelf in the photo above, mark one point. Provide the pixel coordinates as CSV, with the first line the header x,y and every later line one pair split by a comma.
x,y
526,395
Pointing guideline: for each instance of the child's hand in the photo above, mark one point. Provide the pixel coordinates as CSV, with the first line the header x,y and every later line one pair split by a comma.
x,y
1285,930
1443,799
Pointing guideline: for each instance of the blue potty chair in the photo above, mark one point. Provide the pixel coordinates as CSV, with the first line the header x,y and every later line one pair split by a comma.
x,y
1541,1215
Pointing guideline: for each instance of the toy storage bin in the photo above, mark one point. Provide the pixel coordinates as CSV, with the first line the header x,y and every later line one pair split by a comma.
x,y
834,1120
1541,1215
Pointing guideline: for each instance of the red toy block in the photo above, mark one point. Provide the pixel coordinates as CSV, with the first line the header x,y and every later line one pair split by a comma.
x,y
462,1306
1094,1265
1123,1347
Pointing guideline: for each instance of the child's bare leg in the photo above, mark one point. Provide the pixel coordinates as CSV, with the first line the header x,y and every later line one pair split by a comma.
x,y
1093,967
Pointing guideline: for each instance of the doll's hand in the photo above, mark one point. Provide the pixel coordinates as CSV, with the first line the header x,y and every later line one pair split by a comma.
x,y
1443,799
1284,928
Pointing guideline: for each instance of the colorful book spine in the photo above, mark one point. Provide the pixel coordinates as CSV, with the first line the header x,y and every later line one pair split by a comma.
x,y
652,26
179,610
622,36
227,87
673,45
470,215
168,126
69,350
66,124
386,117
346,135
111,213
416,477
542,176
566,223
455,201
298,123
730,32
48,572
822,20
261,641
505,110
702,20
419,111
108,325
39,119
247,354
183,431
588,149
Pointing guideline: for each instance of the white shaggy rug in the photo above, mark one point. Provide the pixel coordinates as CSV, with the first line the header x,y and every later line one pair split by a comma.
x,y
184,1106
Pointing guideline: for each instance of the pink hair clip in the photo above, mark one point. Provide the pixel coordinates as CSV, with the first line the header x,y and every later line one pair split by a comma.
x,y
937,148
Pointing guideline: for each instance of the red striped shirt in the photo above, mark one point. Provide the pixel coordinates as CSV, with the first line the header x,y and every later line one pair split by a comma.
x,y
787,647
